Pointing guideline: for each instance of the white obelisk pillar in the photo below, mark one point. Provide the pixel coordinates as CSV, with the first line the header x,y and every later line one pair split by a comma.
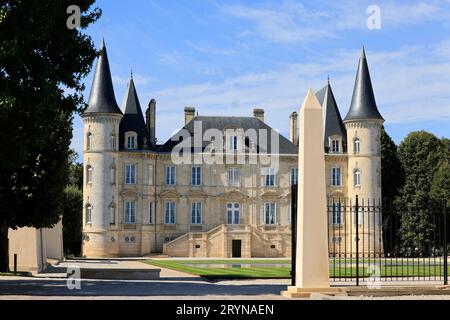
x,y
312,273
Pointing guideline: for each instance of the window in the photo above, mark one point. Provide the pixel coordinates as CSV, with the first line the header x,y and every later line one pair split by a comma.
x,y
233,143
89,141
357,177
356,146
169,217
196,213
130,174
89,214
131,142
150,175
233,177
336,213
170,175
113,142
335,146
89,173
233,213
270,213
112,214
196,178
151,213
269,177
293,180
336,177
113,175
130,212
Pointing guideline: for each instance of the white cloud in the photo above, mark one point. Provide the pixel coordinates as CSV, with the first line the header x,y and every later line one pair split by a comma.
x,y
209,49
411,84
291,22
139,79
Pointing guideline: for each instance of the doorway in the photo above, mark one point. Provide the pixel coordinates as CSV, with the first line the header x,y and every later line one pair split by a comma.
x,y
236,246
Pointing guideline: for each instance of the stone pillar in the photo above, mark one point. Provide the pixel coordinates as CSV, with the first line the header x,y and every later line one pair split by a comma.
x,y
312,274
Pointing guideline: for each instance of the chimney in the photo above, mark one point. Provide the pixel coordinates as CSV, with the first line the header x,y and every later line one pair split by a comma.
x,y
259,114
189,114
150,116
293,128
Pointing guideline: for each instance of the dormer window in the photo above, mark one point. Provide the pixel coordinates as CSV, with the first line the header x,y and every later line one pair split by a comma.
x,y
131,143
233,143
131,140
356,146
335,146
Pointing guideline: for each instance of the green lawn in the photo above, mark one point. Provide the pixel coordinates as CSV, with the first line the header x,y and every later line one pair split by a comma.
x,y
254,272
386,270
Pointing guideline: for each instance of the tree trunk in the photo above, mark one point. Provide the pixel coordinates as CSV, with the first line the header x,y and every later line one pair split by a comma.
x,y
4,249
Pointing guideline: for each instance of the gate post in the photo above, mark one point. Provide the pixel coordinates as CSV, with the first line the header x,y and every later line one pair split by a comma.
x,y
444,213
293,232
357,238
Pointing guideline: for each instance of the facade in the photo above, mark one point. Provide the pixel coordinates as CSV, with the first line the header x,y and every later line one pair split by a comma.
x,y
221,186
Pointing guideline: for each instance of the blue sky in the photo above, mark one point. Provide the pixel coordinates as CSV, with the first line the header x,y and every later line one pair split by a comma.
x,y
228,57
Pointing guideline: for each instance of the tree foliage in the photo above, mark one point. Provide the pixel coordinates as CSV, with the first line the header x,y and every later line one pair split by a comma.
x,y
392,173
72,220
42,64
420,153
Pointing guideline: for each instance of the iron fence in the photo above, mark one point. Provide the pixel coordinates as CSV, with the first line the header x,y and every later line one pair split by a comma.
x,y
371,240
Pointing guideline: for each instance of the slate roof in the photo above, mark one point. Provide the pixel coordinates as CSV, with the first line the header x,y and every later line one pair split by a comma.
x,y
133,119
363,106
245,123
102,98
333,124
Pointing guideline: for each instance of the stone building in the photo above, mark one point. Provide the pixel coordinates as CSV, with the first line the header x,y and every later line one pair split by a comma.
x,y
221,186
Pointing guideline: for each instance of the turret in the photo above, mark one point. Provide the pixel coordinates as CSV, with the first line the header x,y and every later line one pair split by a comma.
x,y
335,134
133,131
101,131
363,123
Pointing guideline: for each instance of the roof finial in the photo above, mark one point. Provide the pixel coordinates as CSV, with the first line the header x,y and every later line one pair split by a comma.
x,y
328,79
363,53
131,73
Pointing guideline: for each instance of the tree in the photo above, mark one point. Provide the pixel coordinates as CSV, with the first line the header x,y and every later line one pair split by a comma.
x,y
420,153
392,172
42,64
72,220
392,180
75,171
440,186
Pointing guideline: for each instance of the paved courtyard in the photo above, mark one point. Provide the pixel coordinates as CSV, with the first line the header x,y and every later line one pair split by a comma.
x,y
173,285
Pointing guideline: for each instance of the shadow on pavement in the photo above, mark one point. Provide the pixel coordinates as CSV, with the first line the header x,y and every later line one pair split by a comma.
x,y
172,287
